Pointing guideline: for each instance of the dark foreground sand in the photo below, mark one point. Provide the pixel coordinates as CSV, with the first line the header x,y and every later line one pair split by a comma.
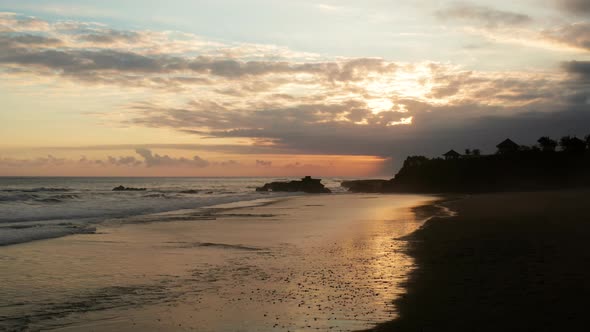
x,y
506,262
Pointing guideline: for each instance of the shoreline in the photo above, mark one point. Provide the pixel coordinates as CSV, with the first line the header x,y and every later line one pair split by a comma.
x,y
436,209
504,262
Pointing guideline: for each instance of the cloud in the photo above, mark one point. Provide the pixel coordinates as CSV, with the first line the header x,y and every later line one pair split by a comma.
x,y
331,8
52,161
220,148
10,22
109,36
78,62
517,28
49,160
581,68
464,109
481,15
124,161
577,7
27,41
292,104
580,73
172,61
149,160
156,160
575,35
263,163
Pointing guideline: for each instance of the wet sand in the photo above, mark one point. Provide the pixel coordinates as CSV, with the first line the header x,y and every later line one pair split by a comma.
x,y
327,263
506,262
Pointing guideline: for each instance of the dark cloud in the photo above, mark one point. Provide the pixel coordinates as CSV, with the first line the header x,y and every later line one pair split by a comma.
x,y
116,66
541,107
481,15
110,37
219,120
578,68
575,35
8,41
577,7
156,160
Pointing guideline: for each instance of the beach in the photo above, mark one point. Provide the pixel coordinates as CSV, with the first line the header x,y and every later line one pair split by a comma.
x,y
504,262
311,262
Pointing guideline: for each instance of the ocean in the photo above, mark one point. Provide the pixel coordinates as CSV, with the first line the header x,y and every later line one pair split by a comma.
x,y
35,208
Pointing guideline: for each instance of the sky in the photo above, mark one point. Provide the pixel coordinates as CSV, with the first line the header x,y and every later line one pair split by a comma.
x,y
344,88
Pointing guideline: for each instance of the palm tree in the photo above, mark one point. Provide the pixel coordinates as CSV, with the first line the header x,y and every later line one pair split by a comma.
x,y
547,144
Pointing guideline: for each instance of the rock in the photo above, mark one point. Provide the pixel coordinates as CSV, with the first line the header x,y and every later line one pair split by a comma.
x,y
191,191
366,186
307,184
123,188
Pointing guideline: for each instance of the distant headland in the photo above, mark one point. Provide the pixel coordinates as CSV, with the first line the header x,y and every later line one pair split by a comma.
x,y
551,164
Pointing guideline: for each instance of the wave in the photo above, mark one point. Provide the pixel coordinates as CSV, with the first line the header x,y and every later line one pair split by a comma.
x,y
17,197
158,195
14,234
87,301
55,220
27,197
48,203
215,245
40,189
190,191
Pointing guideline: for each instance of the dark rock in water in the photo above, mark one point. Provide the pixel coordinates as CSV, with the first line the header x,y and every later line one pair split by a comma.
x,y
307,184
122,188
191,191
366,186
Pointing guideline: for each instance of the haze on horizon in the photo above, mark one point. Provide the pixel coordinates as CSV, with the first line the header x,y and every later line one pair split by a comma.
x,y
252,88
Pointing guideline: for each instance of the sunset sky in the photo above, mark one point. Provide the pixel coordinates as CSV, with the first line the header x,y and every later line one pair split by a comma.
x,y
282,88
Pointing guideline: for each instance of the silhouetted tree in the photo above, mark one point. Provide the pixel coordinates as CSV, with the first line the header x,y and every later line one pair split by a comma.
x,y
572,144
547,144
414,161
467,152
588,141
476,152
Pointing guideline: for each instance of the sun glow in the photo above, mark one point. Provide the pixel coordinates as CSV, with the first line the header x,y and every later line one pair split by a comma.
x,y
380,105
402,121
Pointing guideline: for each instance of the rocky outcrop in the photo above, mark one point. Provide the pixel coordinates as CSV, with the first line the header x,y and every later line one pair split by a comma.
x,y
307,185
123,188
367,186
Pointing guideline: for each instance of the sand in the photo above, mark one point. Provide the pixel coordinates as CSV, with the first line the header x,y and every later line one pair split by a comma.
x,y
506,262
326,263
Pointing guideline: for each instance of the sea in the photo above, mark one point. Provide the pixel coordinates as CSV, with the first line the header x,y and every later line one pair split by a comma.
x,y
181,256
36,208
